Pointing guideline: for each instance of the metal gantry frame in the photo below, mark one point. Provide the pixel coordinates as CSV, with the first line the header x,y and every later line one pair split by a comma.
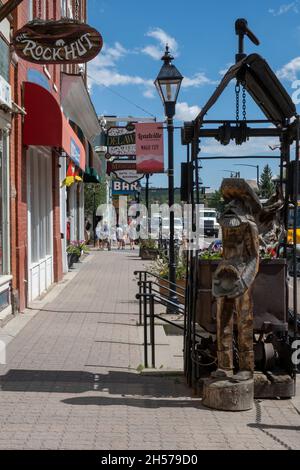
x,y
261,83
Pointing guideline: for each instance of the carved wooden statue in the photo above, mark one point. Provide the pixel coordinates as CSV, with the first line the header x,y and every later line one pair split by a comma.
x,y
234,277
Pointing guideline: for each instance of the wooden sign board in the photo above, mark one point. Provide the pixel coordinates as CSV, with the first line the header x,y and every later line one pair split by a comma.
x,y
121,141
57,42
124,170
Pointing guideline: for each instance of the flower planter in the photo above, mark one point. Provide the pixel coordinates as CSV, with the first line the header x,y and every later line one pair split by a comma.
x,y
148,253
70,260
269,295
163,284
76,257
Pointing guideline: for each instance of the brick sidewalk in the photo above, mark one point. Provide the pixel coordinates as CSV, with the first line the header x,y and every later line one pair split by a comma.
x,y
71,380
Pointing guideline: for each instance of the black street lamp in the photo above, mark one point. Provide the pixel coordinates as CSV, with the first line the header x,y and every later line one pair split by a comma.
x,y
168,84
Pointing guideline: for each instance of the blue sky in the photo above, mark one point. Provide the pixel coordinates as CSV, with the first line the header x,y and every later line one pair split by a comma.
x,y
201,36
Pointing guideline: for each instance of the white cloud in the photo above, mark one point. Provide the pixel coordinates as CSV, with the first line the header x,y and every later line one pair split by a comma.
x,y
110,55
184,112
225,69
289,71
103,69
197,80
150,92
285,8
251,147
163,38
153,51
111,77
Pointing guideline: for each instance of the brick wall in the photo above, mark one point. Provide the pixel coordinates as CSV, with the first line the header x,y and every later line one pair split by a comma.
x,y
19,230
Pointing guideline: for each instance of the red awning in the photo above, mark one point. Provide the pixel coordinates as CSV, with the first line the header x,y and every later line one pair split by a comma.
x,y
46,125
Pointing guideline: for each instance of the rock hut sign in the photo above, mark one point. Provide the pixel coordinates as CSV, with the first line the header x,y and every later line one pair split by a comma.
x,y
57,42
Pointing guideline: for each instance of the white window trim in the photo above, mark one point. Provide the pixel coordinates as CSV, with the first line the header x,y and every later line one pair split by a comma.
x,y
5,203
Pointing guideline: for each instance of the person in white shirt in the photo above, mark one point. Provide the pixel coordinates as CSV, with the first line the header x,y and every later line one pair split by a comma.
x,y
120,236
132,234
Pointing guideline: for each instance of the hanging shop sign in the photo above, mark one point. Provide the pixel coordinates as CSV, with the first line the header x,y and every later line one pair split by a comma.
x,y
128,176
121,141
122,188
149,147
124,170
57,42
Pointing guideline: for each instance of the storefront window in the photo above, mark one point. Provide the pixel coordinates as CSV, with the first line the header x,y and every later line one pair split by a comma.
x,y
40,206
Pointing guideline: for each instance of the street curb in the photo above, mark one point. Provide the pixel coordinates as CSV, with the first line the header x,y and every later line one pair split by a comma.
x,y
162,372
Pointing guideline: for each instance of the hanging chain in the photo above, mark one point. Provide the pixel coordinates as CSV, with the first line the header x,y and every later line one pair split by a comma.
x,y
76,15
237,96
244,104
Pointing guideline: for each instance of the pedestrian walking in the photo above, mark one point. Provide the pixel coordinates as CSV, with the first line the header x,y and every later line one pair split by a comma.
x,y
106,236
87,228
132,234
119,235
98,233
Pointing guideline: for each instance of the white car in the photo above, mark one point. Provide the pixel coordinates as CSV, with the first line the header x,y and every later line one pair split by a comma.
x,y
178,228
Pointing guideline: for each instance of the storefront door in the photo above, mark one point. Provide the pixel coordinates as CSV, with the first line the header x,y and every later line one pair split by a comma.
x,y
40,222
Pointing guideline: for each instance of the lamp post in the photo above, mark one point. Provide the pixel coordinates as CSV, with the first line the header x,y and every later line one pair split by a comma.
x,y
168,84
233,174
253,166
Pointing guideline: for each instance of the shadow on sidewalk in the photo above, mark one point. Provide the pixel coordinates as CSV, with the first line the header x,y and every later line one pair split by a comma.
x,y
87,311
136,402
114,382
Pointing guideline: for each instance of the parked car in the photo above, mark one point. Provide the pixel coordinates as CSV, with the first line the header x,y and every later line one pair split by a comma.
x,y
208,220
178,228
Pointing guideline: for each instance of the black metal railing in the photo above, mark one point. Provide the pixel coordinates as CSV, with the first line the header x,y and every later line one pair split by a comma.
x,y
148,295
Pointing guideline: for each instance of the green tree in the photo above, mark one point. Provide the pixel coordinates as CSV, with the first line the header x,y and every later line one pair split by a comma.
x,y
266,188
99,190
216,201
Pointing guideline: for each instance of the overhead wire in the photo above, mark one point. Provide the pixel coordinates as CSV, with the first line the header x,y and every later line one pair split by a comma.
x,y
121,96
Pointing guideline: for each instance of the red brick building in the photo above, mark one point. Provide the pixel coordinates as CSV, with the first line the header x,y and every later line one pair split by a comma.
x,y
42,134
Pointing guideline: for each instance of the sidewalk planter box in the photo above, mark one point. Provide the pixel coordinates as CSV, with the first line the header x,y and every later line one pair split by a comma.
x,y
70,261
164,292
269,295
75,257
148,253
72,258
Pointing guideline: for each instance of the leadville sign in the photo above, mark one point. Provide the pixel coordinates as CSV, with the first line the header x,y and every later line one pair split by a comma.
x,y
57,42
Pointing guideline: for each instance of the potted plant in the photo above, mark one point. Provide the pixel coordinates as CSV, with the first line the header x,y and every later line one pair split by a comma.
x,y
160,267
83,247
74,251
149,249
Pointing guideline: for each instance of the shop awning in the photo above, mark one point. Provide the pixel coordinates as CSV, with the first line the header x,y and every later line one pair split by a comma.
x,y
91,176
46,125
78,106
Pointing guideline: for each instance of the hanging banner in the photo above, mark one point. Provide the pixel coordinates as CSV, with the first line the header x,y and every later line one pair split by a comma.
x,y
149,148
121,141
57,42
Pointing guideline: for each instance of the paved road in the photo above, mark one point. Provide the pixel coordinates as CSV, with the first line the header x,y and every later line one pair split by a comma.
x,y
71,380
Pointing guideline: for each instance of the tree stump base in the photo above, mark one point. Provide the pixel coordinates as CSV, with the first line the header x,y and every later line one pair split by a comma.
x,y
220,394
